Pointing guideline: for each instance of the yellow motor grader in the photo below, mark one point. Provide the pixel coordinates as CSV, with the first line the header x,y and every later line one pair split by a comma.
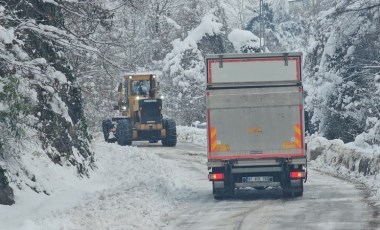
x,y
140,114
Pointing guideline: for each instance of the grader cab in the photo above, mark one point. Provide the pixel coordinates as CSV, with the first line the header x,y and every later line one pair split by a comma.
x,y
140,114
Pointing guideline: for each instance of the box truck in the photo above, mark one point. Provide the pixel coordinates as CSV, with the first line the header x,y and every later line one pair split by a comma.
x,y
255,123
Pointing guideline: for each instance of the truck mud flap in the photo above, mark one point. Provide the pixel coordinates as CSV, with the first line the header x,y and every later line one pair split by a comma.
x,y
290,188
229,183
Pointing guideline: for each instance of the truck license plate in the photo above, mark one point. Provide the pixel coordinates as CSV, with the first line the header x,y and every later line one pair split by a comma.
x,y
257,179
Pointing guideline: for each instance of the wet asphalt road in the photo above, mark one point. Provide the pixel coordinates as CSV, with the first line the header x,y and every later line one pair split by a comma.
x,y
328,202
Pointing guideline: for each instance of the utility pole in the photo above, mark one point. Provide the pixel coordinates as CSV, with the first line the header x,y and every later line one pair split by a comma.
x,y
261,23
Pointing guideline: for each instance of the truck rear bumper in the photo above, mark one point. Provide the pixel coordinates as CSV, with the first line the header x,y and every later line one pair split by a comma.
x,y
287,173
257,162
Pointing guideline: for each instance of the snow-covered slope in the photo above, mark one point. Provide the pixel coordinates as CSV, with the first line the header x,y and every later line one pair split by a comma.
x,y
131,188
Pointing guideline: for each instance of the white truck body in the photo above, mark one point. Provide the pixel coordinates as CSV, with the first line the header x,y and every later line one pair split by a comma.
x,y
255,119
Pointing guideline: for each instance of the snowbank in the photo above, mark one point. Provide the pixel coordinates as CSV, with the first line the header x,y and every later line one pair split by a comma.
x,y
192,135
359,165
131,188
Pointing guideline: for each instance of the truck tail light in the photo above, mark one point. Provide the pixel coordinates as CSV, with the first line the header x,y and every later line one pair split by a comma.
x,y
297,175
215,176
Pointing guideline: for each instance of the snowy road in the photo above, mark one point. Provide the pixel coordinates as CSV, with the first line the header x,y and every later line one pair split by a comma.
x,y
148,186
328,202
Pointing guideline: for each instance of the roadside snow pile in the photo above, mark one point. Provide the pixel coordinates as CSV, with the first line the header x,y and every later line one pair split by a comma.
x,y
131,189
360,165
192,135
37,182
141,190
32,173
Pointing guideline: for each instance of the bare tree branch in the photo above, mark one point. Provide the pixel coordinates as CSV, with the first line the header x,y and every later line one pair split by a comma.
x,y
340,11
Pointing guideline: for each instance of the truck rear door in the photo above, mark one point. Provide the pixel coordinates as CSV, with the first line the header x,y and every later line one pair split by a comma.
x,y
255,106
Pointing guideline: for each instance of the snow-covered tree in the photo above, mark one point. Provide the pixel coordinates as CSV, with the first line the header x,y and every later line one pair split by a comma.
x,y
40,100
183,78
244,41
342,68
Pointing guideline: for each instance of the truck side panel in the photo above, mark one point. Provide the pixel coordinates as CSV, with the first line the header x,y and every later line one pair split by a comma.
x,y
255,122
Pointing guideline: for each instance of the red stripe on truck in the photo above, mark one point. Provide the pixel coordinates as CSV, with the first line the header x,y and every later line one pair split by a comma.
x,y
208,128
302,135
256,156
298,66
213,61
209,71
259,59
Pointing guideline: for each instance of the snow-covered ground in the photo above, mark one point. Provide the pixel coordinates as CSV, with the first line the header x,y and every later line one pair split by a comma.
x,y
137,188
131,188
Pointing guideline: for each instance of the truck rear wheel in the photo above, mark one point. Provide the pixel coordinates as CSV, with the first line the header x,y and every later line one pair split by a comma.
x,y
106,126
297,191
300,193
124,132
171,133
153,141
217,194
292,194
218,197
